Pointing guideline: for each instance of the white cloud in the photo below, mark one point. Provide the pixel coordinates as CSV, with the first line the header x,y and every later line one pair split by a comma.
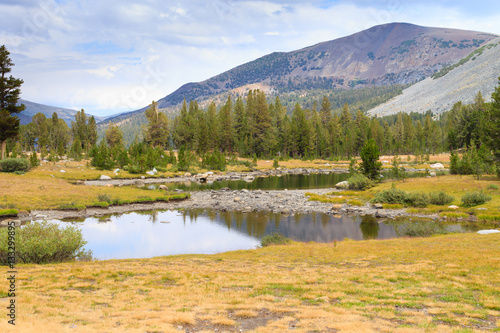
x,y
100,54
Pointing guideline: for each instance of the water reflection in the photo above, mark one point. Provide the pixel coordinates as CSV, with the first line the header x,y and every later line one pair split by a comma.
x,y
158,233
267,183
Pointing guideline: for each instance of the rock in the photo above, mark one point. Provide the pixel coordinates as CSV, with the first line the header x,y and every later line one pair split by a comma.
x,y
209,173
151,173
7,222
244,190
336,207
163,187
342,185
436,166
79,182
104,177
453,207
110,185
248,209
187,174
142,177
433,174
487,232
116,170
23,213
249,179
378,206
381,213
482,208
154,170
62,171
179,190
237,199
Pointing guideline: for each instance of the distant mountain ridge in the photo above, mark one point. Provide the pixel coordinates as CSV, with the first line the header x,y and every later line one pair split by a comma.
x,y
68,115
382,55
478,72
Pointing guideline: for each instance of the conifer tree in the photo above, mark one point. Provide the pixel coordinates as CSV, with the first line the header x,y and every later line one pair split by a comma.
x,y
156,131
9,96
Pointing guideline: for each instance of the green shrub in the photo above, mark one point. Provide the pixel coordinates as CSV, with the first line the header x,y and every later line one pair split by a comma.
x,y
14,164
275,238
420,229
397,196
417,199
104,198
44,242
474,199
359,182
391,196
440,198
492,187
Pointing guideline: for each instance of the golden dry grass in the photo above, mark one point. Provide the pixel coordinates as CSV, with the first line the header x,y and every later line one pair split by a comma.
x,y
438,284
46,188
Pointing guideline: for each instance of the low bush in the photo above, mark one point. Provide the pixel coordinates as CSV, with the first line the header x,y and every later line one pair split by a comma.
x,y
474,199
390,196
397,196
14,164
359,182
44,242
440,198
492,187
420,229
275,238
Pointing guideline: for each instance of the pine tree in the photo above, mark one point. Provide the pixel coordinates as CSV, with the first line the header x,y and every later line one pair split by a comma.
x,y
492,127
9,96
156,131
113,136
370,166
226,129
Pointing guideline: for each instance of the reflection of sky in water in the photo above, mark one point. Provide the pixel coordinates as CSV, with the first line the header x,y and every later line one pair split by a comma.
x,y
135,235
146,235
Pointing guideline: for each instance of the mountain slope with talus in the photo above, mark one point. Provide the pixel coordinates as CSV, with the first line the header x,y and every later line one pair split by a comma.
x,y
478,72
395,53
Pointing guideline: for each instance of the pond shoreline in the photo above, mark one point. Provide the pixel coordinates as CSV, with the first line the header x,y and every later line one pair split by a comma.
x,y
286,202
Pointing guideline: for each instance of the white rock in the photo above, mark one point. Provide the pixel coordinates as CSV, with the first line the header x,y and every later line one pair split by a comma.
x,y
342,185
116,171
436,166
62,171
433,174
151,173
154,170
104,177
487,232
453,207
210,173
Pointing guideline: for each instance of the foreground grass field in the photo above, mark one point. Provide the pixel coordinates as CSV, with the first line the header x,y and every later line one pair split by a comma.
x,y
439,284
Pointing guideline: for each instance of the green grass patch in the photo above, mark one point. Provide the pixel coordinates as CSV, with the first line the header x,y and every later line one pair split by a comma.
x,y
453,215
488,217
8,212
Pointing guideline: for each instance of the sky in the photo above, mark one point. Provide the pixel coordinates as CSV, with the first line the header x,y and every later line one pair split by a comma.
x,y
115,56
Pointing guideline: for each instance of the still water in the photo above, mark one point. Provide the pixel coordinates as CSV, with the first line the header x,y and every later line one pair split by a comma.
x,y
159,233
291,182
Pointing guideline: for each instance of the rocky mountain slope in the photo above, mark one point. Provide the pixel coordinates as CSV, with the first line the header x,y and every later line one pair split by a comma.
x,y
67,115
479,71
386,54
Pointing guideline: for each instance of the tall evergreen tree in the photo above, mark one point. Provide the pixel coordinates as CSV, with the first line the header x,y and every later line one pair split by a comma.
x,y
9,96
156,131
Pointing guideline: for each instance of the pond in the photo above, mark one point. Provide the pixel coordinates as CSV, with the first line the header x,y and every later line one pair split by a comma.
x,y
160,233
290,182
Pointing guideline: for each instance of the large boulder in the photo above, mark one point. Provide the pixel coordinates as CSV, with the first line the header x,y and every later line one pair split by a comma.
x,y
104,177
342,185
436,166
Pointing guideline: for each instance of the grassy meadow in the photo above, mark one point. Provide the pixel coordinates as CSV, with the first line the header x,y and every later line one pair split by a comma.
x,y
447,283
438,284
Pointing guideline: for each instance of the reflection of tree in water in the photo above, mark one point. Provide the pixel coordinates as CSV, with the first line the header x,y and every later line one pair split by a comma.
x,y
277,220
239,218
226,216
324,220
369,227
256,223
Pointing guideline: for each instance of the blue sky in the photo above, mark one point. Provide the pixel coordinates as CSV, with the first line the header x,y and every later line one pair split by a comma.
x,y
118,55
